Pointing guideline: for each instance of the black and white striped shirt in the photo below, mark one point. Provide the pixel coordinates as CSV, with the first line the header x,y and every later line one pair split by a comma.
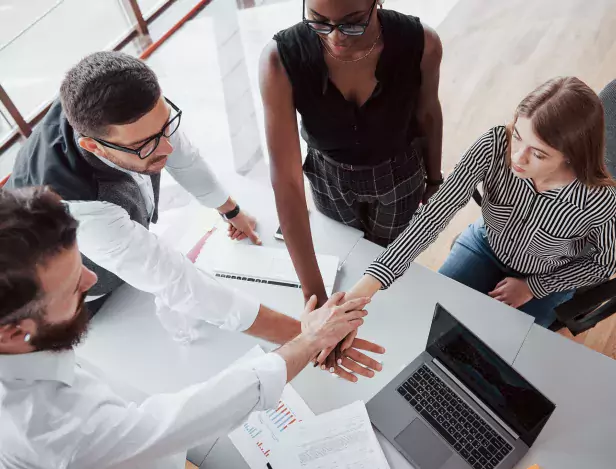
x,y
559,240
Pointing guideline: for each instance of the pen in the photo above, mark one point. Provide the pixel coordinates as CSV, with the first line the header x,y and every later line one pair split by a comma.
x,y
269,466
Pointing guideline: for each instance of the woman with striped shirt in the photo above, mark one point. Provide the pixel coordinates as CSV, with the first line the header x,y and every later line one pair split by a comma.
x,y
549,207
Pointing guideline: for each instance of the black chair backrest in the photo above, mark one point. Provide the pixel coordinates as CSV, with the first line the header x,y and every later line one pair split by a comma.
x,y
608,97
591,305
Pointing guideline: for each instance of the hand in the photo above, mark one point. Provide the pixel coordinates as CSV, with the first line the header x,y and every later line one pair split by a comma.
x,y
429,191
321,298
243,226
321,328
366,287
330,356
352,361
332,322
512,291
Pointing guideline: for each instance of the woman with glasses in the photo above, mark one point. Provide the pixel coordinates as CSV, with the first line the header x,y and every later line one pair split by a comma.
x,y
365,83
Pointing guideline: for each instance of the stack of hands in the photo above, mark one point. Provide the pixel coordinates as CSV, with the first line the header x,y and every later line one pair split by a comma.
x,y
344,359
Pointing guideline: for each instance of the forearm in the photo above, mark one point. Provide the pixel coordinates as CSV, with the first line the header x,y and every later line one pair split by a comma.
x,y
298,353
108,237
578,273
165,424
229,205
596,266
274,327
293,214
431,125
366,287
432,218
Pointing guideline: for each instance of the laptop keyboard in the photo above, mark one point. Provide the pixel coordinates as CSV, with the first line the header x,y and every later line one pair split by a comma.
x,y
454,420
258,280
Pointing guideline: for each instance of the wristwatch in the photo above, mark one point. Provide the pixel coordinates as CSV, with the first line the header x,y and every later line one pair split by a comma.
x,y
231,214
435,182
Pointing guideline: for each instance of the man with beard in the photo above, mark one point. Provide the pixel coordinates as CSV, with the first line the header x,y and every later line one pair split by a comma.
x,y
55,414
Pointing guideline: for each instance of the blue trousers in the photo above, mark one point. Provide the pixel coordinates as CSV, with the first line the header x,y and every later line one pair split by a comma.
x,y
473,263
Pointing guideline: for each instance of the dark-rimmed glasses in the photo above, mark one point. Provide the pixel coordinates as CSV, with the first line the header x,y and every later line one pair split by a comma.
x,y
150,145
350,29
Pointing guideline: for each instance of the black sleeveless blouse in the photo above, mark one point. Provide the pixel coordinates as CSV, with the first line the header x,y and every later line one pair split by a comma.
x,y
386,124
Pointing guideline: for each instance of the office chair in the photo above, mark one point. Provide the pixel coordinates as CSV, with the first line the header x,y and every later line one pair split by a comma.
x,y
590,305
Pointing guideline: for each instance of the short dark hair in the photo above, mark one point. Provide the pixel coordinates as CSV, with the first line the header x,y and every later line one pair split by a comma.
x,y
108,88
34,226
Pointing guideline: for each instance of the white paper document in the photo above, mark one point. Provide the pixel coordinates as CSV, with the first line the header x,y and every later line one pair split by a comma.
x,y
340,439
258,439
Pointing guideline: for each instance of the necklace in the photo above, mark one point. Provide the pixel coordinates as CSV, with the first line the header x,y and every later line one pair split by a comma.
x,y
353,60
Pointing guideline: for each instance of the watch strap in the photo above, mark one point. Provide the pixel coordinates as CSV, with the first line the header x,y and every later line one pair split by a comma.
x,y
231,214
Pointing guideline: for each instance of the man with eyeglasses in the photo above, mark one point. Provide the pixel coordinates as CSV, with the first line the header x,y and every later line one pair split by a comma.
x,y
102,147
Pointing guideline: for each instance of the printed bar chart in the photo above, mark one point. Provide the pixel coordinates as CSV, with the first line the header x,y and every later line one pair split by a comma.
x,y
252,431
258,439
262,430
282,417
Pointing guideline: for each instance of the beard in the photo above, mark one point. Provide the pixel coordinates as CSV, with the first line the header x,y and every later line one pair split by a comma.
x,y
148,172
136,168
65,335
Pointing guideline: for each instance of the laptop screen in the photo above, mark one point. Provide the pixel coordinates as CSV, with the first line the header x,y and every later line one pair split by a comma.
x,y
495,382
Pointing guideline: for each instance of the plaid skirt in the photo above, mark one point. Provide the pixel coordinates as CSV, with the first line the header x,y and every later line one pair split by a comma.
x,y
378,200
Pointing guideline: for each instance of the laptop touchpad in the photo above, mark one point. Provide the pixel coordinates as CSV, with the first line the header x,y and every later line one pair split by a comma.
x,y
423,446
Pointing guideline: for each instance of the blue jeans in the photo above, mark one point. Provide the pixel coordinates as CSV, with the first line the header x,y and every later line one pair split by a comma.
x,y
472,263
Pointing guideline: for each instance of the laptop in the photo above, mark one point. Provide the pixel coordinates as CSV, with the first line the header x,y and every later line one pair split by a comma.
x,y
263,265
459,405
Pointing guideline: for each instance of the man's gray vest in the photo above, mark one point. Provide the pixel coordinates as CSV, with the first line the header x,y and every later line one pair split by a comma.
x,y
52,157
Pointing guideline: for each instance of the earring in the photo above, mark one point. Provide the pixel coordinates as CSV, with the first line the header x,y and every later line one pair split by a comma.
x,y
27,338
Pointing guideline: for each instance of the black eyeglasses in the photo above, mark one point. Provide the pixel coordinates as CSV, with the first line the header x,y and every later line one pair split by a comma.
x,y
350,29
150,145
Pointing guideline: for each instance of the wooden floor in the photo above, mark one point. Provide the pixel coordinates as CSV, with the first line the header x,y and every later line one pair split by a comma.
x,y
496,52
602,338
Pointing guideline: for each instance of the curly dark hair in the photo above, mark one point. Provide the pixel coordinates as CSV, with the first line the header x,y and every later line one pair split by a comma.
x,y
34,226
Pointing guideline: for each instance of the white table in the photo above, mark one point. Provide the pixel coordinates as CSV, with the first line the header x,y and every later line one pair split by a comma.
x,y
329,236
582,384
128,343
399,320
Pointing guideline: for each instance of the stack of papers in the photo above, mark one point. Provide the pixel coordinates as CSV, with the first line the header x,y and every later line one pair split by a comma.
x,y
289,436
342,438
